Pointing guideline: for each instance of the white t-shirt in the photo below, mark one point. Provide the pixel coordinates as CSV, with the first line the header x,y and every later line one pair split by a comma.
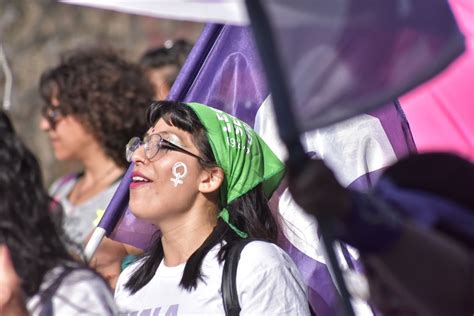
x,y
80,292
268,283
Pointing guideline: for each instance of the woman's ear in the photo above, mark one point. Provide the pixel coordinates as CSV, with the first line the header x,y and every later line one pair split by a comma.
x,y
211,180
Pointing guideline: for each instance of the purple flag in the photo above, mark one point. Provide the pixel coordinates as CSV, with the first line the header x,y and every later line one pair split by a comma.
x,y
224,71
341,58
345,57
120,224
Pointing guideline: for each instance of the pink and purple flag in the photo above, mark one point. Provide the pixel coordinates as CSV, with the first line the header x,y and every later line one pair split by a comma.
x,y
441,111
333,80
224,71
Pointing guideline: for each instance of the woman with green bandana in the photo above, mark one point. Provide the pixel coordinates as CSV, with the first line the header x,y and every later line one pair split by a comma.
x,y
203,178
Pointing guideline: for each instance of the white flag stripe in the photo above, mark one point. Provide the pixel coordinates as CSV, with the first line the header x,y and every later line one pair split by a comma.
x,y
224,11
352,148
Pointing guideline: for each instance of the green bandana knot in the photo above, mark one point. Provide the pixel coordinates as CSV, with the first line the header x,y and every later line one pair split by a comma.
x,y
224,214
243,156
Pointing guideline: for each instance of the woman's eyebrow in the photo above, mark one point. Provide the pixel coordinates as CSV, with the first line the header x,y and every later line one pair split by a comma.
x,y
152,131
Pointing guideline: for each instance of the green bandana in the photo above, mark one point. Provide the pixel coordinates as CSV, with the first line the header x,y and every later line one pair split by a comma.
x,y
245,158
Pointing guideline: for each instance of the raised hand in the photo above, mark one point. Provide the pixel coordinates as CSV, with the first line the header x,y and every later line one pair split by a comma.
x,y
315,188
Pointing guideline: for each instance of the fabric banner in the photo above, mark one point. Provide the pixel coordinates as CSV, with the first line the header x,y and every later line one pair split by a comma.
x,y
333,74
441,111
345,57
224,71
216,11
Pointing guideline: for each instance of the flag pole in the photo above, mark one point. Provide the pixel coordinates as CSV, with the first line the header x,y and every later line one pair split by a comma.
x,y
112,215
7,91
288,129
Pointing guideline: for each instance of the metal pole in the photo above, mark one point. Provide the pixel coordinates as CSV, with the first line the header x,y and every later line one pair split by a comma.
x,y
288,129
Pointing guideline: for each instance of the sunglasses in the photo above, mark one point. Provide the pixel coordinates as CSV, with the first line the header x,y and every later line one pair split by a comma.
x,y
52,114
152,145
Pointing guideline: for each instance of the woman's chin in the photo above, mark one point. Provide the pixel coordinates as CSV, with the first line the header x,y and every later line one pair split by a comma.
x,y
141,211
63,156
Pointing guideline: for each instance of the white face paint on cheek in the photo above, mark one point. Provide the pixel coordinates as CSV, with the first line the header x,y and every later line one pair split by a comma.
x,y
180,171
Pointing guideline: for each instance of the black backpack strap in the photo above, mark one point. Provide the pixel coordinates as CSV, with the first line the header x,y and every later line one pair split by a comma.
x,y
229,275
230,295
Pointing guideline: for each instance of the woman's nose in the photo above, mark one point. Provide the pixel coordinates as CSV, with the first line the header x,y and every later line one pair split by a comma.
x,y
44,124
138,155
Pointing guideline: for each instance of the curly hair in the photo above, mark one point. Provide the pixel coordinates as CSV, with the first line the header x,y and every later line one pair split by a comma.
x,y
26,226
107,94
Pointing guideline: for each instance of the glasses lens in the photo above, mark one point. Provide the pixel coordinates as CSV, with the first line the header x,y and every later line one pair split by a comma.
x,y
152,145
51,114
132,145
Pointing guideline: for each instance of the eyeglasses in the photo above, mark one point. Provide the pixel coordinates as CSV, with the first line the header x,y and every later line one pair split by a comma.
x,y
152,145
52,114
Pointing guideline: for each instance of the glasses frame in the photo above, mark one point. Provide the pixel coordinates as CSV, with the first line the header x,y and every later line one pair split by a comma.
x,y
163,143
52,114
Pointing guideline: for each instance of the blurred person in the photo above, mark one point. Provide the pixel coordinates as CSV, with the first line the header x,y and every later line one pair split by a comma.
x,y
162,65
414,230
204,178
38,276
94,102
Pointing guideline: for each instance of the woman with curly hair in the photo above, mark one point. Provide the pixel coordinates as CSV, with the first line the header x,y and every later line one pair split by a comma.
x,y
37,274
94,102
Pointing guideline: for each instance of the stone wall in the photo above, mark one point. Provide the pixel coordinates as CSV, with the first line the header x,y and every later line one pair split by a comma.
x,y
35,32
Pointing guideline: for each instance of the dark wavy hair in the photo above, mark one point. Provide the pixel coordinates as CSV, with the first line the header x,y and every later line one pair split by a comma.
x,y
107,94
173,55
26,225
250,212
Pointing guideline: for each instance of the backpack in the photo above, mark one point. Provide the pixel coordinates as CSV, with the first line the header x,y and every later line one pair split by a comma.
x,y
230,296
46,296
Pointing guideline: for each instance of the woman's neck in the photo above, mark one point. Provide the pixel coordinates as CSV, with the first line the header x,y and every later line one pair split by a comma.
x,y
100,172
96,165
185,235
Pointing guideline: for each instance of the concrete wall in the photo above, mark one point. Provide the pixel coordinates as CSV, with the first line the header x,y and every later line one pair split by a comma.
x,y
35,32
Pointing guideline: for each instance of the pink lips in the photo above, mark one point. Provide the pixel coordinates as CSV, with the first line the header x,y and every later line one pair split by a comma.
x,y
53,141
138,180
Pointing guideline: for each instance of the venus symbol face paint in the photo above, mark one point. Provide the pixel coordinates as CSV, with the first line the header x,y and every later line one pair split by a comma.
x,y
180,171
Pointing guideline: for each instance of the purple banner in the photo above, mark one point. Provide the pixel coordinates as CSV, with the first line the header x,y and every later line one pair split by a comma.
x,y
344,57
224,71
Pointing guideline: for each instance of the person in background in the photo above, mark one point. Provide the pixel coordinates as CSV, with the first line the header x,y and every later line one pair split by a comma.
x,y
414,230
204,178
94,101
38,276
163,64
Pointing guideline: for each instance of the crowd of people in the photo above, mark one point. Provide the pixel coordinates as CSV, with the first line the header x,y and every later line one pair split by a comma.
x,y
208,198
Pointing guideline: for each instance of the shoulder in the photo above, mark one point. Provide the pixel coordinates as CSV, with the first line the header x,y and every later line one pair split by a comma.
x,y
125,276
133,266
84,277
260,258
72,290
63,183
264,255
269,283
75,278
83,290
